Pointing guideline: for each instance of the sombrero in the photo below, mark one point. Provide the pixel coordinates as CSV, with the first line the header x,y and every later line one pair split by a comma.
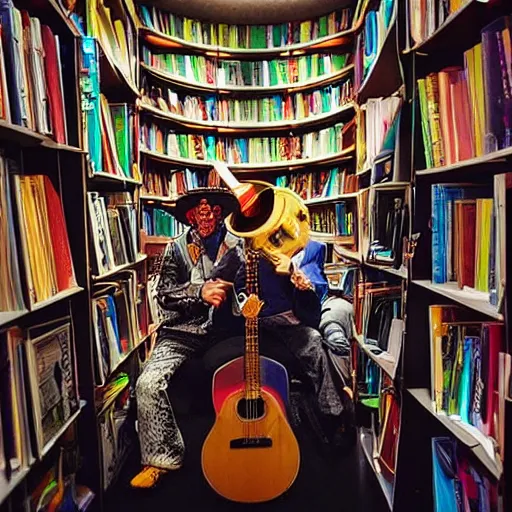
x,y
215,196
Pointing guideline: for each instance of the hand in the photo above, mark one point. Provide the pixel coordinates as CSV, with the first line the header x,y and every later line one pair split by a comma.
x,y
300,281
215,292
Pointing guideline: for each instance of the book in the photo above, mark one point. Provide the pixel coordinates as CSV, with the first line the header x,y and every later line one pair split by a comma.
x,y
159,222
45,243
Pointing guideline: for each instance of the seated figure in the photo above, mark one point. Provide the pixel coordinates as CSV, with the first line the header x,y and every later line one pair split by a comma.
x,y
183,291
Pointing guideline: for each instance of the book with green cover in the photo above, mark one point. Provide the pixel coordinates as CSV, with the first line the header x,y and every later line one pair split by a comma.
x,y
425,129
322,27
119,113
258,36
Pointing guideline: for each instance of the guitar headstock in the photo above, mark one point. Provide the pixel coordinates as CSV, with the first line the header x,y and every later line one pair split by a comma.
x,y
252,307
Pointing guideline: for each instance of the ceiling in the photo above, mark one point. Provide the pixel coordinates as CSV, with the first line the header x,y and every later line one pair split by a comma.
x,y
251,11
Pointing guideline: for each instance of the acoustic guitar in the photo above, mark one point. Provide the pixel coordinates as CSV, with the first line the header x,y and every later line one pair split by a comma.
x,y
251,454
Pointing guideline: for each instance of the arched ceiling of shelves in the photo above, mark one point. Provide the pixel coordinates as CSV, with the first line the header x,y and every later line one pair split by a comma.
x,y
251,11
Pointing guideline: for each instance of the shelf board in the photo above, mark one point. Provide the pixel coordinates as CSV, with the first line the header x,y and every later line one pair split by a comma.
x,y
161,40
454,31
50,143
245,126
242,89
366,439
469,299
105,176
158,199
388,365
64,294
391,185
462,432
332,199
347,253
333,239
494,157
287,165
120,268
62,430
7,317
400,272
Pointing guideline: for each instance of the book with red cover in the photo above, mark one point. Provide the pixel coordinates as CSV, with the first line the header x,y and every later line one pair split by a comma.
x,y
55,95
59,236
465,233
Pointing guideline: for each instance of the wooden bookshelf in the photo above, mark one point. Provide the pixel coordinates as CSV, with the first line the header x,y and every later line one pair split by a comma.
x,y
247,89
229,127
120,268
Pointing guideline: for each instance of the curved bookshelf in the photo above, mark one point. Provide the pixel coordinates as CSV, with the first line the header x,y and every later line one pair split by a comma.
x,y
381,67
346,154
331,199
246,126
242,89
163,41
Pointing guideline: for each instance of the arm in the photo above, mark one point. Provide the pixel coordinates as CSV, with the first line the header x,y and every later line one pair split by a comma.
x,y
175,292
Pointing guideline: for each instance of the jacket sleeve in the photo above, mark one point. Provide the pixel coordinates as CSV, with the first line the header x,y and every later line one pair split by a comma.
x,y
175,292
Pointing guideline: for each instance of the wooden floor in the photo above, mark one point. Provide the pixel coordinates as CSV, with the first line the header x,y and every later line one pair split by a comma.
x,y
326,481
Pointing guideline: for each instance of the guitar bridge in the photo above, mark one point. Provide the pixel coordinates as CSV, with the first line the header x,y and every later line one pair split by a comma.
x,y
250,442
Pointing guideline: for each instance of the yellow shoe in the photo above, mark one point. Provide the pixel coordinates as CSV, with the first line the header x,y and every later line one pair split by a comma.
x,y
148,477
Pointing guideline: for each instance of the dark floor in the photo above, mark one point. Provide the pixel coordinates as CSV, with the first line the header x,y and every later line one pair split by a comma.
x,y
326,482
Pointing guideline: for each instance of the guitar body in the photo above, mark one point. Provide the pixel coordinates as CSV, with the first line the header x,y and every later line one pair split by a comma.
x,y
250,460
229,379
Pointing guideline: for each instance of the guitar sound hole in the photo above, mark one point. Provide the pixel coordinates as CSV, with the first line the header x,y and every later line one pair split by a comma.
x,y
251,409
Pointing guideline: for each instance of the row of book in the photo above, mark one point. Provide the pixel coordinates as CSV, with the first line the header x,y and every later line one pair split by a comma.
x,y
371,40
464,110
119,139
38,400
174,183
278,107
253,150
120,320
43,253
458,483
336,220
468,239
116,432
262,73
378,125
31,88
158,222
427,16
320,184
116,35
244,36
114,230
466,369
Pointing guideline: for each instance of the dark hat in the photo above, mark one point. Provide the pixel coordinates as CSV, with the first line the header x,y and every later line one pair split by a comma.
x,y
215,196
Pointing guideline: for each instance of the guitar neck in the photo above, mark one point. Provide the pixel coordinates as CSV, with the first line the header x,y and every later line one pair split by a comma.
x,y
252,356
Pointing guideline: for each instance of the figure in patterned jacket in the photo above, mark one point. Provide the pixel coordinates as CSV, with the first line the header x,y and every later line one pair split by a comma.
x,y
186,294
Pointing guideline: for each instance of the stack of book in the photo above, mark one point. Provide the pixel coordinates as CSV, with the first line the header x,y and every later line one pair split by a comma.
x,y
116,35
244,36
11,299
278,107
427,16
381,116
467,238
120,320
158,222
465,110
336,220
31,91
320,184
473,486
44,238
254,150
369,43
114,229
262,73
466,367
27,412
174,183
119,139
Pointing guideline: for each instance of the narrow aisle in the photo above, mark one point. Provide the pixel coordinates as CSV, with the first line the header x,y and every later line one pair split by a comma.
x,y
326,482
